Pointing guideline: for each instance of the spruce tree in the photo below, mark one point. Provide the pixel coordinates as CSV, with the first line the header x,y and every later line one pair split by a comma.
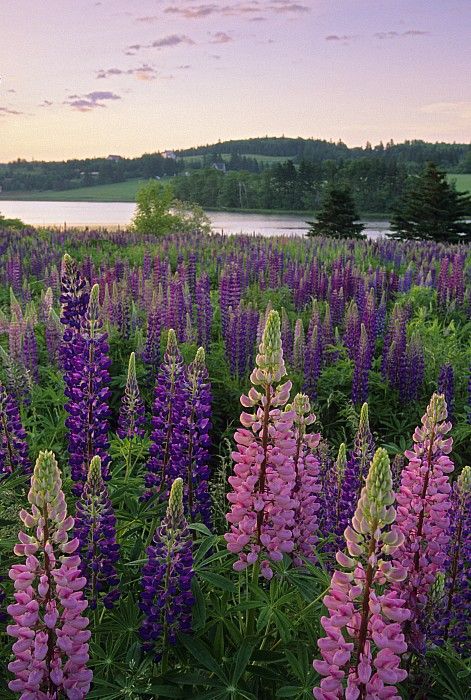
x,y
432,210
338,216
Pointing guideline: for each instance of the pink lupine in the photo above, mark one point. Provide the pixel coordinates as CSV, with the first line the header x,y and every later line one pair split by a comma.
x,y
307,485
51,646
361,652
262,506
422,513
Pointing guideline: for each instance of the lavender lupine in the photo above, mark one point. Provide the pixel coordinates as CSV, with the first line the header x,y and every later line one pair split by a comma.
x,y
198,441
299,346
363,358
455,623
166,597
168,453
307,484
54,330
131,417
74,296
51,647
13,445
87,379
30,351
422,513
262,508
361,652
95,528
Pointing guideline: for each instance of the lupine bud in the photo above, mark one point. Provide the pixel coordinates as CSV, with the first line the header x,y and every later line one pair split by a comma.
x,y
51,646
361,605
132,412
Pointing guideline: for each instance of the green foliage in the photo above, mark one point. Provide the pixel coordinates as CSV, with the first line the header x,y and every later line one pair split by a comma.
x,y
16,224
432,210
158,212
338,217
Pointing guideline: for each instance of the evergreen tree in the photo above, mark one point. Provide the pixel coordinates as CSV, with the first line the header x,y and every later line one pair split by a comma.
x,y
432,210
338,216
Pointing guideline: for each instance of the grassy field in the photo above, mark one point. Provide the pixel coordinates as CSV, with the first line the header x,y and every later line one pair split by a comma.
x,y
226,158
126,191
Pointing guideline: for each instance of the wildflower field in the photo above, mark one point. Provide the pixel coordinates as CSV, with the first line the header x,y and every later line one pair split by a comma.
x,y
233,467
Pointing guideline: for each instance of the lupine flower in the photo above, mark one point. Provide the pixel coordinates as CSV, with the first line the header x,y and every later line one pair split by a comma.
x,y
262,507
51,646
455,622
356,469
446,386
361,652
95,528
299,346
198,442
166,598
74,296
87,379
54,330
307,485
362,367
30,351
131,417
168,450
13,446
422,514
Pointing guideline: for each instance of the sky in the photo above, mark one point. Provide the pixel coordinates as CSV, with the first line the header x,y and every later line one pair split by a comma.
x,y
84,78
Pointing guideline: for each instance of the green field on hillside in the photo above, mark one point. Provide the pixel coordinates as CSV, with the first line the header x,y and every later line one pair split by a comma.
x,y
462,181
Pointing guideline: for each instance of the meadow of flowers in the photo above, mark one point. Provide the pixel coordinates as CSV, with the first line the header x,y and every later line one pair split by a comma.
x,y
233,467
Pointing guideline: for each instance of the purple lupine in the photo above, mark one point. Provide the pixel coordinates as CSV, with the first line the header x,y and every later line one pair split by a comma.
x,y
87,379
131,417
313,359
74,296
204,309
53,333
361,652
166,597
51,639
198,441
299,346
286,336
168,450
446,386
356,469
363,359
307,484
95,528
30,351
151,352
13,446
422,514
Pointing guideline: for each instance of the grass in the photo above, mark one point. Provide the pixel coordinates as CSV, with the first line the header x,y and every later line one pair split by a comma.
x,y
462,181
226,158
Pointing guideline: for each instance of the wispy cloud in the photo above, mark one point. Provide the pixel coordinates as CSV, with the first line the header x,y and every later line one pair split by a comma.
x,y
238,9
397,35
221,38
340,37
4,111
91,101
164,42
461,109
144,72
46,103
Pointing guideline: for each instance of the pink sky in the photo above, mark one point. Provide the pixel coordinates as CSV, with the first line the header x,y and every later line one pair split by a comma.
x,y
86,78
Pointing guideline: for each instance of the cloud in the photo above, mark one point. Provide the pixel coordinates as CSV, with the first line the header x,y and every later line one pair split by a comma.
x,y
46,103
144,72
221,38
395,35
185,67
12,91
239,9
90,101
460,109
340,37
4,111
166,41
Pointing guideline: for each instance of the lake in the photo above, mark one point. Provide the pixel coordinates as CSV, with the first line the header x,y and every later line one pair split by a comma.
x,y
119,214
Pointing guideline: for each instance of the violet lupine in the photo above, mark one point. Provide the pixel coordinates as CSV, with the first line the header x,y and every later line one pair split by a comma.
x,y
262,508
30,351
87,379
169,435
53,332
307,484
356,469
166,597
457,589
95,528
51,646
363,359
299,346
198,441
131,417
361,652
13,445
74,296
422,513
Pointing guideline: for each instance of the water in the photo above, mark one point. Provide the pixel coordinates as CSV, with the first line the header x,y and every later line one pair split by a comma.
x,y
119,214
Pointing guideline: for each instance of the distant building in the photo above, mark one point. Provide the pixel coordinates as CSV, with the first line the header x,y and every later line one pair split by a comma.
x,y
114,158
219,166
169,154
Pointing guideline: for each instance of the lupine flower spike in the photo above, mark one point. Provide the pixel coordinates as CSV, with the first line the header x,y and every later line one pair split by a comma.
x,y
361,652
13,446
132,412
166,598
51,646
95,528
422,513
262,507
